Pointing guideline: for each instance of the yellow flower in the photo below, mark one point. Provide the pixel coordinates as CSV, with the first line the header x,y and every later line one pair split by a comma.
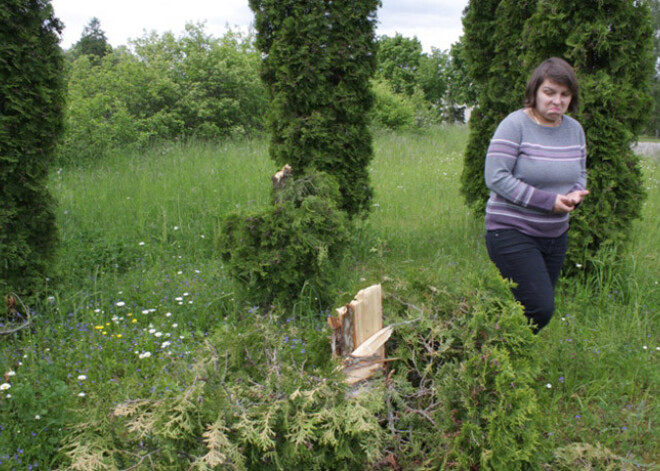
x,y
129,314
98,327
118,336
134,321
105,333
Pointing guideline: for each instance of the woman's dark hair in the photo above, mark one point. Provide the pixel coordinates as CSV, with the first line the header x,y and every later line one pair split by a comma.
x,y
557,70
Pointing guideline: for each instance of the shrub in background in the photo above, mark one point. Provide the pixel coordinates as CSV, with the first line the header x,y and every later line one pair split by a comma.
x,y
391,110
165,88
31,102
319,57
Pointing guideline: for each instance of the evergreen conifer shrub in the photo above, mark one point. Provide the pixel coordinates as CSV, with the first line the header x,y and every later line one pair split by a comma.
x,y
319,57
610,45
31,102
493,50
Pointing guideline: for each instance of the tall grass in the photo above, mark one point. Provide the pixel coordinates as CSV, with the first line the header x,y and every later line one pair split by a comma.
x,y
140,286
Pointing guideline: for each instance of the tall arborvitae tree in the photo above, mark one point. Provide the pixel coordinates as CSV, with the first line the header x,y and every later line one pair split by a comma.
x,y
610,45
653,126
494,54
31,102
319,56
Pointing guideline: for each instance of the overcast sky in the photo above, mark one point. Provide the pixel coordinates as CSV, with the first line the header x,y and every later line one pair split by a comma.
x,y
436,23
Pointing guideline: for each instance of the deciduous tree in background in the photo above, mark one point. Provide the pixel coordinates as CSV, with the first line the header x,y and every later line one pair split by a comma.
x,y
31,101
399,59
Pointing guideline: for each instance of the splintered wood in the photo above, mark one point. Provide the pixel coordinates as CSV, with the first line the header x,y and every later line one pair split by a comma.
x,y
358,335
280,178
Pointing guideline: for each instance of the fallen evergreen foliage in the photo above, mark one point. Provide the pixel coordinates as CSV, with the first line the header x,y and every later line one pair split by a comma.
x,y
265,394
252,400
461,394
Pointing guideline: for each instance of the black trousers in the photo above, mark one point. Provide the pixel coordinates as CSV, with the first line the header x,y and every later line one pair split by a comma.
x,y
534,264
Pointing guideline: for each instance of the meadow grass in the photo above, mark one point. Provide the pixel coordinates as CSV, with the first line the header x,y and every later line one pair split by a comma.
x,y
140,285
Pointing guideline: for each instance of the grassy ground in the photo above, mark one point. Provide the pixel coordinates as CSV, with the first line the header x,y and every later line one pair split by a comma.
x,y
140,286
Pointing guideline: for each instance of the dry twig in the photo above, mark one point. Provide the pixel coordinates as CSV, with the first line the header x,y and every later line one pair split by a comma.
x,y
11,307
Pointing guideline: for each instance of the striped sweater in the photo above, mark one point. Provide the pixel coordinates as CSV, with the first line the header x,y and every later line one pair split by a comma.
x,y
527,166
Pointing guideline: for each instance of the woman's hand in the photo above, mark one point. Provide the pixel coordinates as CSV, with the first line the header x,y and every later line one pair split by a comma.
x,y
567,203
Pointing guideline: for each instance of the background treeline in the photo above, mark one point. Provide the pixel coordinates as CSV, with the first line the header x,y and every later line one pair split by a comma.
x,y
162,87
194,85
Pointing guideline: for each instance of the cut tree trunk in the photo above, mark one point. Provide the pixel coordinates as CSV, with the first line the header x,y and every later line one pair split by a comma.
x,y
358,335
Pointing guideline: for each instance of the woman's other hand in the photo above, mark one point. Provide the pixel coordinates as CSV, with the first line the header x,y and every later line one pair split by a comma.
x,y
567,203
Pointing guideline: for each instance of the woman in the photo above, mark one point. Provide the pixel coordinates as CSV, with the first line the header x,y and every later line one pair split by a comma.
x,y
536,171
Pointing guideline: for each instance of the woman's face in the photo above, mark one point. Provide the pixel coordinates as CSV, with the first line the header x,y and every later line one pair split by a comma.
x,y
552,100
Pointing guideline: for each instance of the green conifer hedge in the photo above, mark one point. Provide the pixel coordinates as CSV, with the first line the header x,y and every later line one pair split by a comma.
x,y
319,57
609,43
493,50
31,102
